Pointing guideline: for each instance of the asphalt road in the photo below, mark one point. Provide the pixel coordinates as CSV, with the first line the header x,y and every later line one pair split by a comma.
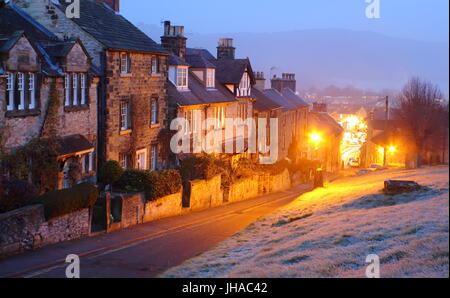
x,y
147,250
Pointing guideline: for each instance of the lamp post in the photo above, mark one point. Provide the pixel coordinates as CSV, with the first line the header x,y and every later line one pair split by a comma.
x,y
316,139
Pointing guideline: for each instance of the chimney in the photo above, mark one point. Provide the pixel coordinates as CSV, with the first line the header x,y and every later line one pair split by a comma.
x,y
260,80
320,107
287,80
225,50
174,40
114,4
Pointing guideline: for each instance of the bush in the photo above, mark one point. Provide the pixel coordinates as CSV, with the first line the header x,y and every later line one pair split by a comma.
x,y
154,184
58,203
203,167
110,172
16,194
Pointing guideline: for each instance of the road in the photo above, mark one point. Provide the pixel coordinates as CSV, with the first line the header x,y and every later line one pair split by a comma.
x,y
147,250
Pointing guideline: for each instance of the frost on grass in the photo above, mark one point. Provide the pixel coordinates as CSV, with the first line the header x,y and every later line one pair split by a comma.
x,y
329,232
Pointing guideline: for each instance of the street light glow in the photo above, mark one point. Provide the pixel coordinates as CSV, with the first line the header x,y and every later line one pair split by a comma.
x,y
392,149
316,138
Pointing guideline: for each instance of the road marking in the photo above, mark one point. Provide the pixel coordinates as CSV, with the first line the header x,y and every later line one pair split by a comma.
x,y
42,269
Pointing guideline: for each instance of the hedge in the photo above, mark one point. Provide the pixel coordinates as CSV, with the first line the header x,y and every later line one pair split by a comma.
x,y
200,168
59,203
155,184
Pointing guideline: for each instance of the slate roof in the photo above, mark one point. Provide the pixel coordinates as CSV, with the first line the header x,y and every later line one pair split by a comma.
x,y
198,61
200,52
277,97
231,71
73,144
198,94
111,29
296,100
324,122
263,102
174,60
14,23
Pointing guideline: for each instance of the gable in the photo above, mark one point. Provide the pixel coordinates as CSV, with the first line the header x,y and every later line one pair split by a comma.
x,y
23,57
77,60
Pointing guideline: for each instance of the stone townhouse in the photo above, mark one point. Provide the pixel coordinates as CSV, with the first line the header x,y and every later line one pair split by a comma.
x,y
202,87
132,92
291,111
37,67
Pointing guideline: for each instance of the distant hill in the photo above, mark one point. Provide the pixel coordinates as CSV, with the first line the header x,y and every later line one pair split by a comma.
x,y
322,57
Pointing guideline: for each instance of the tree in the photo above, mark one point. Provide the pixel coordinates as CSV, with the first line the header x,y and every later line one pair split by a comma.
x,y
421,110
2,4
110,172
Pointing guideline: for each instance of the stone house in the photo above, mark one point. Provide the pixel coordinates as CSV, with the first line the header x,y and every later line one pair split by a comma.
x,y
292,114
36,67
132,97
202,87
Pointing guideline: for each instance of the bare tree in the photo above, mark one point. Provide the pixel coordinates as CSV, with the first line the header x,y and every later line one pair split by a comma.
x,y
422,112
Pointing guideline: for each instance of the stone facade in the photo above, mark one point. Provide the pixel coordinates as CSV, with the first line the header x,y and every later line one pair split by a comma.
x,y
25,229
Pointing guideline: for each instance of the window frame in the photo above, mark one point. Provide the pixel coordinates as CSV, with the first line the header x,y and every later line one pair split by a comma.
x,y
125,62
182,77
155,65
153,157
125,123
139,153
154,111
10,88
21,87
210,78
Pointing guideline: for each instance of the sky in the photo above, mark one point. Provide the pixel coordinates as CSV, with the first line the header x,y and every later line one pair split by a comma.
x,y
425,20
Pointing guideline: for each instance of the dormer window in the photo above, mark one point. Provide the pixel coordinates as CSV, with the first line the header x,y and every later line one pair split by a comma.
x,y
125,63
179,76
210,78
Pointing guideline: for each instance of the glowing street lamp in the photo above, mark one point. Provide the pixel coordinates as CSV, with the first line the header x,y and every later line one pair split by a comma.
x,y
392,149
315,138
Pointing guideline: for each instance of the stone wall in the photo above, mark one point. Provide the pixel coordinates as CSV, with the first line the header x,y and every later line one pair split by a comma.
x,y
206,193
164,207
25,229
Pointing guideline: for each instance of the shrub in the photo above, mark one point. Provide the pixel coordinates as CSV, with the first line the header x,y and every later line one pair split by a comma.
x,y
58,203
16,194
154,184
110,172
203,167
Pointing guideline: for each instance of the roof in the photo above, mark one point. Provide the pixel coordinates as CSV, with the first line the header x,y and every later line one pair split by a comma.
x,y
174,60
200,52
231,71
277,97
73,144
198,61
296,100
111,29
324,122
263,102
198,94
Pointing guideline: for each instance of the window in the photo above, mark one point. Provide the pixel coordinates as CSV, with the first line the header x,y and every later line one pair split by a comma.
x,y
83,88
182,77
76,87
22,88
141,159
196,121
242,111
220,117
10,89
210,78
156,65
154,157
87,162
124,116
32,89
124,63
125,160
154,111
244,87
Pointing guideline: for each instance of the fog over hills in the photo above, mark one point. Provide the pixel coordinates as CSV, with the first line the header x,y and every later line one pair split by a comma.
x,y
322,57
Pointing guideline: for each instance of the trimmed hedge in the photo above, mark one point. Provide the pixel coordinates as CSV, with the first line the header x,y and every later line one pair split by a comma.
x,y
155,184
59,203
15,194
200,168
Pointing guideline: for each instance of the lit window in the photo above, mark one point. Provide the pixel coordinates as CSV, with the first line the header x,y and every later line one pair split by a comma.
x,y
154,112
141,159
210,78
220,117
124,116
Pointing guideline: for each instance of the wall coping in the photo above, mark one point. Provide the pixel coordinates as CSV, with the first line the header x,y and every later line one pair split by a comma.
x,y
20,211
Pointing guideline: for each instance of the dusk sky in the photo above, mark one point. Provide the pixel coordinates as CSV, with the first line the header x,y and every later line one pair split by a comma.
x,y
416,19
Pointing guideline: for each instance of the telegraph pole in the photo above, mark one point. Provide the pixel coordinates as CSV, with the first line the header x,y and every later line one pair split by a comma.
x,y
386,128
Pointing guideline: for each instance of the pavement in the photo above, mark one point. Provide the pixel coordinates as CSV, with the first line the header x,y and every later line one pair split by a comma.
x,y
146,250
